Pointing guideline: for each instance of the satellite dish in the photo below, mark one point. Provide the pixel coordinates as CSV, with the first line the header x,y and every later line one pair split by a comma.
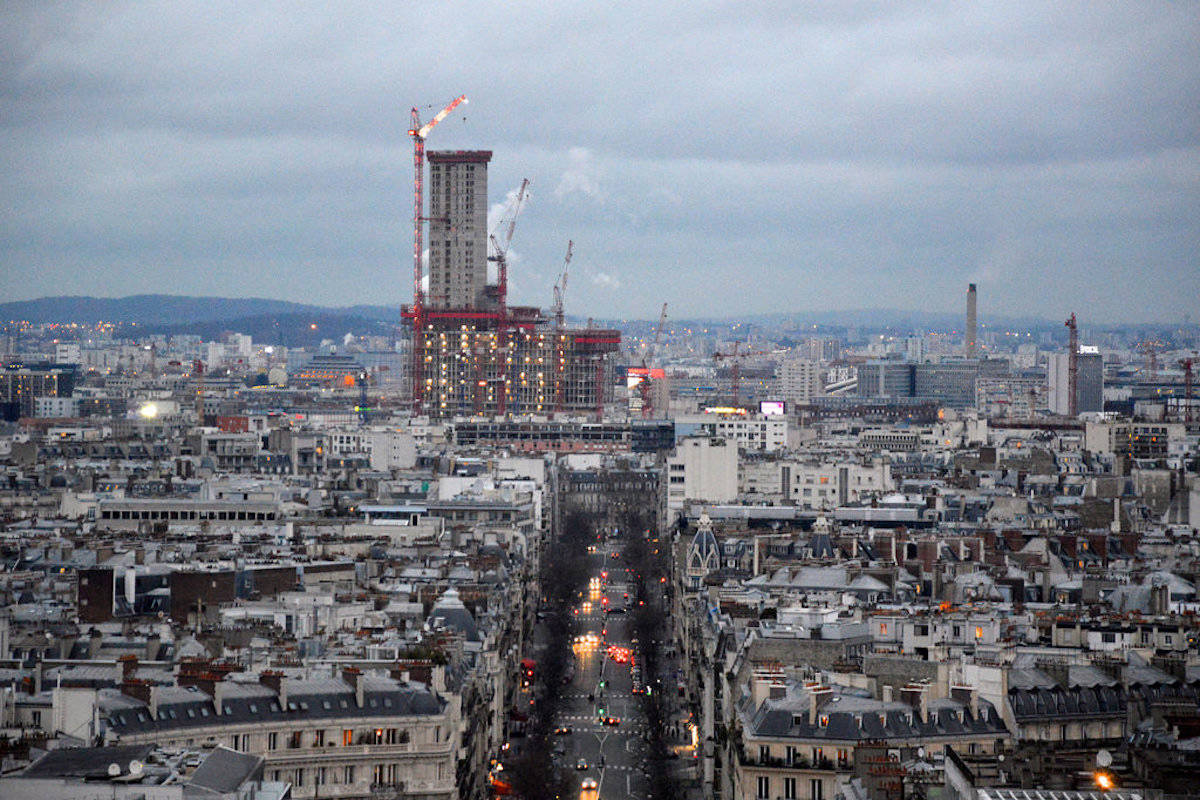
x,y
135,767
920,752
1103,759
114,770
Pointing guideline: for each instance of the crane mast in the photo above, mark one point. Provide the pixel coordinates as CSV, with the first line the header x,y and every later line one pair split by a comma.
x,y
501,250
735,372
560,354
419,132
1187,364
646,387
1072,366
560,289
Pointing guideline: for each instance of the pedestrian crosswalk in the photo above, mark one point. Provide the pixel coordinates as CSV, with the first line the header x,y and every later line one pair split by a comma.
x,y
589,718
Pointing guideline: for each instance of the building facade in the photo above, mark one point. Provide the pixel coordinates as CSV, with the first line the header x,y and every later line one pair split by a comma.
x,y
1089,387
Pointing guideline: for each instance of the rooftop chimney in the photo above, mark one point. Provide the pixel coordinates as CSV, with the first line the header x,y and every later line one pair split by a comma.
x,y
913,695
972,351
129,667
968,696
354,677
138,690
818,698
274,681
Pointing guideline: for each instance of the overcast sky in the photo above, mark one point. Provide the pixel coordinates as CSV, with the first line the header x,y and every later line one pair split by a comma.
x,y
722,157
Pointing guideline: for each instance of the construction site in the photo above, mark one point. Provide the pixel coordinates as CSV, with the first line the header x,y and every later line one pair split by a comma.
x,y
471,352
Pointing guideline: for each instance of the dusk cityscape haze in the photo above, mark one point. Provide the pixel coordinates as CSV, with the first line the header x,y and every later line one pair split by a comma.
x,y
710,401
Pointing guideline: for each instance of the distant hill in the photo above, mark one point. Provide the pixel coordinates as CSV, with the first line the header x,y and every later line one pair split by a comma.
x,y
165,309
290,330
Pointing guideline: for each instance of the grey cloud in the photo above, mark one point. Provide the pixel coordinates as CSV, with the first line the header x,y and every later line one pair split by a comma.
x,y
774,155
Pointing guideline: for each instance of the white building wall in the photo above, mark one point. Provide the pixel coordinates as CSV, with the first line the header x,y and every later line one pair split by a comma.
x,y
54,407
68,353
702,468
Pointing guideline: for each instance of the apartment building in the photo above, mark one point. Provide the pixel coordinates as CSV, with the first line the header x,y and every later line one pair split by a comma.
x,y
747,431
803,740
333,738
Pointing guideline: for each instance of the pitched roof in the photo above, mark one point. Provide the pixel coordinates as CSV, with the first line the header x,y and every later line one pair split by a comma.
x,y
224,770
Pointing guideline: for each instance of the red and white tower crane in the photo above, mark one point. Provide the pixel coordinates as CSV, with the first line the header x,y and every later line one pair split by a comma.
x,y
735,357
1072,366
645,388
419,132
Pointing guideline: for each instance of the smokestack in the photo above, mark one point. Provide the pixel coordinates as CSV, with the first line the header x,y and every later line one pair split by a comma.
x,y
972,350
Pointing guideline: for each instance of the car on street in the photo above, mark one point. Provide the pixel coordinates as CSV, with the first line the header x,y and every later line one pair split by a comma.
x,y
612,720
581,764
562,730
588,783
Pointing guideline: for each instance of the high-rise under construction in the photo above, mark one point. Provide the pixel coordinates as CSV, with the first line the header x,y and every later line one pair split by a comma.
x,y
471,352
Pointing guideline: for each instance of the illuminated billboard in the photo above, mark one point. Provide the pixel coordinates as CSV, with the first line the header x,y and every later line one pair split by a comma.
x,y
635,375
771,408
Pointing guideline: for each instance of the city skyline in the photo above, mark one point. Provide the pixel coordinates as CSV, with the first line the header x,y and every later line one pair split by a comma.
x,y
841,158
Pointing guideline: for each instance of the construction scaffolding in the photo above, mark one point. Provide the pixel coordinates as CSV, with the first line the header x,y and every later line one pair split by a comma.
x,y
499,364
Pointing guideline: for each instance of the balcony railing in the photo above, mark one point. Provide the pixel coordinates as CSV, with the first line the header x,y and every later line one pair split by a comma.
x,y
429,749
798,762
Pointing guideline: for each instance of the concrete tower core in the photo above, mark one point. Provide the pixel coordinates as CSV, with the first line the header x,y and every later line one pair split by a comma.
x,y
458,206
